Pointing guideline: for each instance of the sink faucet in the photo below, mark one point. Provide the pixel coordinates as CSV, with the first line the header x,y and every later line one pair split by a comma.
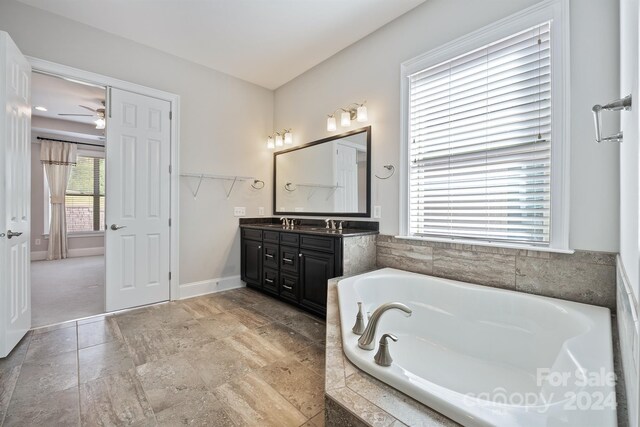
x,y
366,341
330,224
285,222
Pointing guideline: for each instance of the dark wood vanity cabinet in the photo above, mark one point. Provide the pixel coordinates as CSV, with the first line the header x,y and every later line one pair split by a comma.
x,y
295,267
251,259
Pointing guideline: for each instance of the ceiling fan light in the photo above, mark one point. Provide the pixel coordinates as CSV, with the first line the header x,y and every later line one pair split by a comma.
x,y
100,123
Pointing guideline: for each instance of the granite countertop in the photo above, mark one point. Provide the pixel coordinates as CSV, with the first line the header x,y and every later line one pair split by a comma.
x,y
368,400
318,231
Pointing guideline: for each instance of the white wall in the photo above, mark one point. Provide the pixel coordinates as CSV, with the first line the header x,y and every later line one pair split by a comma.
x,y
629,260
370,70
224,122
629,152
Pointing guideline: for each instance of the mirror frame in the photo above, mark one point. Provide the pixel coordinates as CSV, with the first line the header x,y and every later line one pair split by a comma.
x,y
366,214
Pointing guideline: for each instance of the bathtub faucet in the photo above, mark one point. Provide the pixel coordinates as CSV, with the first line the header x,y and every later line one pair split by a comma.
x,y
366,341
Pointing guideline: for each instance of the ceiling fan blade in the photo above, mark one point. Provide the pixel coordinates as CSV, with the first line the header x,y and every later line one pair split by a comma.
x,y
79,115
87,108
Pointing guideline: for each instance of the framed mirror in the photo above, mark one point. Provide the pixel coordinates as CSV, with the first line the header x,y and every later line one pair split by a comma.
x,y
329,177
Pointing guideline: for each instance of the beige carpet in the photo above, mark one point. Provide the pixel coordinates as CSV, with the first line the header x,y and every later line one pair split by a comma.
x,y
66,289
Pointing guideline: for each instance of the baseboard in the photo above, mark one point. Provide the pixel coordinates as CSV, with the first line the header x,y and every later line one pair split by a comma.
x,y
73,253
194,289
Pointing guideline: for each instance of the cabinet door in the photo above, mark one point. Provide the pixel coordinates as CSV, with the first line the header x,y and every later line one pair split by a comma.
x,y
316,268
251,263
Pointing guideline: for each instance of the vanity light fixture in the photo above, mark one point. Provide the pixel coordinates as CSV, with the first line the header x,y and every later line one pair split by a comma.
x,y
278,139
351,112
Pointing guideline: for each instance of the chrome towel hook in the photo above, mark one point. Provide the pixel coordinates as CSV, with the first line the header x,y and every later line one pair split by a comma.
x,y
617,105
260,184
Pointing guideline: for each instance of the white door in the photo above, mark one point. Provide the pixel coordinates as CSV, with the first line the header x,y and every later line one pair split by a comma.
x,y
346,199
15,193
137,244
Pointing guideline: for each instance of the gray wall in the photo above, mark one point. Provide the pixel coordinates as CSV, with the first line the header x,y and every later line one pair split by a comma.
x,y
370,70
224,121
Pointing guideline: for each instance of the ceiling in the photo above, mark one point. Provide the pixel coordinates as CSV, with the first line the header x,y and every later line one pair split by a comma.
x,y
58,95
267,42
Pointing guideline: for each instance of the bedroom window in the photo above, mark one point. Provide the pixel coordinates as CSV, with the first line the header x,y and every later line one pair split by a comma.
x,y
484,140
85,196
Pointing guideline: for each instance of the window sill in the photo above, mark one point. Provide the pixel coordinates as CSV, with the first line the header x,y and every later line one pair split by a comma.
x,y
79,235
490,244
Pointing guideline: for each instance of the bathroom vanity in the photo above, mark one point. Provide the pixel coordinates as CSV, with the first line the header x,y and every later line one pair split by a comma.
x,y
294,264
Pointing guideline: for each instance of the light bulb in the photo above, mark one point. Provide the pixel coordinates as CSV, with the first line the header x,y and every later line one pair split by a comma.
x,y
345,119
100,123
331,123
362,113
270,144
278,140
288,138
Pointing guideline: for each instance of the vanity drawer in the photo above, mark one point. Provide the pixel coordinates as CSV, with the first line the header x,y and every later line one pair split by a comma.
x,y
289,287
271,236
270,254
250,233
289,239
289,260
270,280
326,244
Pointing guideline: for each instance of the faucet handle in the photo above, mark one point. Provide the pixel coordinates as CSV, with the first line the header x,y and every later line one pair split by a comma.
x,y
327,221
340,225
383,357
359,326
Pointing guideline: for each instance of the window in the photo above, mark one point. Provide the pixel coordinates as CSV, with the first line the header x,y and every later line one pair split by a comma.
x,y
481,141
85,196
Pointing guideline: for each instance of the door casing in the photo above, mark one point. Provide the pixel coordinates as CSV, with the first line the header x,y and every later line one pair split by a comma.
x,y
78,75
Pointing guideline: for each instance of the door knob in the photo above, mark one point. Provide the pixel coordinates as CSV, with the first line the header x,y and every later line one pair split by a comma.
x,y
11,234
115,227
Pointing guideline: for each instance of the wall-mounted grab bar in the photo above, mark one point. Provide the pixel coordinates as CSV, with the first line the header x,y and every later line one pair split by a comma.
x,y
617,105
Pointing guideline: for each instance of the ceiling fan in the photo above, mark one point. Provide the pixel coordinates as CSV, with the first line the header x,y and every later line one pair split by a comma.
x,y
99,112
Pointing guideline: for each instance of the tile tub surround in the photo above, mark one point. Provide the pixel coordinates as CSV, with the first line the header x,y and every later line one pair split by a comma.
x,y
629,341
198,362
586,277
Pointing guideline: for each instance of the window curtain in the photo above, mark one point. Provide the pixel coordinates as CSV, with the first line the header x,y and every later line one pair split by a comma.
x,y
58,158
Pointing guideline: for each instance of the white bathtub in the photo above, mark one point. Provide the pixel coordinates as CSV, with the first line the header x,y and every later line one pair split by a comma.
x,y
482,356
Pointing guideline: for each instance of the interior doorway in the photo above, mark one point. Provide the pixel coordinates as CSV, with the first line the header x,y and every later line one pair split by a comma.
x,y
67,251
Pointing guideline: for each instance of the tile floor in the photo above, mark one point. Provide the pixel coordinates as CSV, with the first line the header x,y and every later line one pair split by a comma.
x,y
234,358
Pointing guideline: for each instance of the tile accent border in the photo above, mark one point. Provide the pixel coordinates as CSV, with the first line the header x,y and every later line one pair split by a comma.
x,y
585,276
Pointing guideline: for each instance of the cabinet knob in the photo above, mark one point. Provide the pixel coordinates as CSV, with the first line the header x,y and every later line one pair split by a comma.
x,y
300,255
260,247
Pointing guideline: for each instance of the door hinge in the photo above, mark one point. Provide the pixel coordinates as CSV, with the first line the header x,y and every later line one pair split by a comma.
x,y
170,115
170,169
169,222
169,275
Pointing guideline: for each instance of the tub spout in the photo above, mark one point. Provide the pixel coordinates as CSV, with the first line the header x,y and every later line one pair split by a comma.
x,y
366,341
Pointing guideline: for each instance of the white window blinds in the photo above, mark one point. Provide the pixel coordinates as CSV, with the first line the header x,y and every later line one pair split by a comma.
x,y
480,143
